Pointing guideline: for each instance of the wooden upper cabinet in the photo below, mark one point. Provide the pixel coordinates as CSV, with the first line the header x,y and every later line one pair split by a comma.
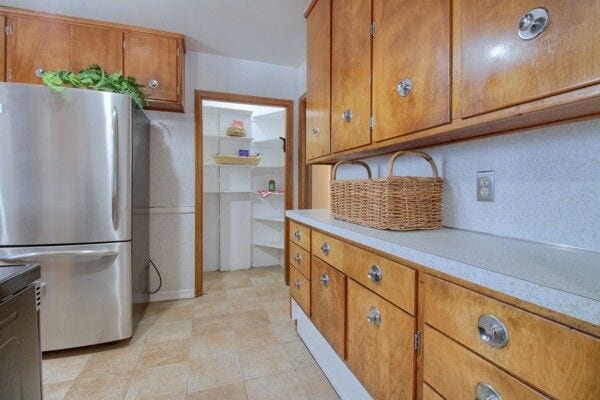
x,y
93,45
2,49
411,66
351,74
318,93
152,60
380,346
500,69
35,44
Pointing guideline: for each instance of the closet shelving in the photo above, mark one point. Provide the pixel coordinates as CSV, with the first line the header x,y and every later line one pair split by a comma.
x,y
242,229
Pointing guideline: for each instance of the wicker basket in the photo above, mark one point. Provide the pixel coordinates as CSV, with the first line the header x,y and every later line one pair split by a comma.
x,y
237,160
399,203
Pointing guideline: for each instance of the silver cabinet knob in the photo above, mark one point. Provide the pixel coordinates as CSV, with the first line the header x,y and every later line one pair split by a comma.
x,y
153,84
297,258
375,274
298,284
298,234
324,279
325,248
533,24
486,392
404,87
492,331
39,71
374,316
347,115
316,131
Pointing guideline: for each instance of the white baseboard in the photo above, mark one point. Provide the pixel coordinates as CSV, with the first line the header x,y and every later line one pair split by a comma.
x,y
341,378
172,295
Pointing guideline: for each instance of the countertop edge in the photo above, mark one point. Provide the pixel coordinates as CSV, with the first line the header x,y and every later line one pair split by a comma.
x,y
579,307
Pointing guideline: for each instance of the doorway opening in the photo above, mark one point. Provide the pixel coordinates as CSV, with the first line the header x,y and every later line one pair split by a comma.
x,y
244,183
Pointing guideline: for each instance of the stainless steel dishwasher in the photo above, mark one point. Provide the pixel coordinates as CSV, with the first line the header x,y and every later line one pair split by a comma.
x,y
20,352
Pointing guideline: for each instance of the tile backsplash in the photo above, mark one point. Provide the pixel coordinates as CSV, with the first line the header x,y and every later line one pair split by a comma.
x,y
547,183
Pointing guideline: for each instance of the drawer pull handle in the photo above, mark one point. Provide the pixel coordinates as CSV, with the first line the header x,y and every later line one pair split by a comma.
x,y
374,316
486,392
404,87
298,284
297,258
492,331
324,279
298,234
39,71
347,115
533,24
153,84
375,274
325,248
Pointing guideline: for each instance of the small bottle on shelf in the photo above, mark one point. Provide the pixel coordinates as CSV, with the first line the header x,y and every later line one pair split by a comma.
x,y
271,185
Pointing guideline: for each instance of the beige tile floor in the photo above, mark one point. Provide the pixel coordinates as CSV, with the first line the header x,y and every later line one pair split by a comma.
x,y
234,343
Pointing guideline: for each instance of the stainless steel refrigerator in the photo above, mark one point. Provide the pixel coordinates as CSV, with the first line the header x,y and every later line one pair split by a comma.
x,y
74,198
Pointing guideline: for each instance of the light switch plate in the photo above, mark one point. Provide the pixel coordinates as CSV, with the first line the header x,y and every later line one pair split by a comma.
x,y
485,186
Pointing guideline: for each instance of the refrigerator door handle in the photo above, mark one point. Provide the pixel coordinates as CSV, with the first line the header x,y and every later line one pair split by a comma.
x,y
116,167
75,254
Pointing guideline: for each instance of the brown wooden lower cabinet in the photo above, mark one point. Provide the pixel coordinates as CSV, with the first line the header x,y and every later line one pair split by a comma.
x,y
300,289
380,346
328,295
457,373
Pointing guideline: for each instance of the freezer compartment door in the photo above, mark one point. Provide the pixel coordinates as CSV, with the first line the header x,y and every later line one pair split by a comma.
x,y
65,166
86,292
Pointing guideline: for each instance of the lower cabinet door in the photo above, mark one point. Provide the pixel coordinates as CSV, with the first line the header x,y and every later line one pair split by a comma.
x,y
300,289
380,346
328,297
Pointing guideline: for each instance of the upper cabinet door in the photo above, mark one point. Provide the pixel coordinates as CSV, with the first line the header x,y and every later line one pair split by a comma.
x,y
152,60
351,74
411,66
318,93
35,45
2,49
502,69
91,45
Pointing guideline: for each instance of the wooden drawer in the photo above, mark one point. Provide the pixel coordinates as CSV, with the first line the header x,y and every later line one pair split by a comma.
x,y
430,394
380,352
455,372
393,281
300,289
300,259
300,235
328,294
555,359
328,249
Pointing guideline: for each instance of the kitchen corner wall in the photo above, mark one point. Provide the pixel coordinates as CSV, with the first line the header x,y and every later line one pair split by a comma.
x,y
172,160
547,183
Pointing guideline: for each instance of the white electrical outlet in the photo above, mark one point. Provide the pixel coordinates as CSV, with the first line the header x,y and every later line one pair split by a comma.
x,y
485,185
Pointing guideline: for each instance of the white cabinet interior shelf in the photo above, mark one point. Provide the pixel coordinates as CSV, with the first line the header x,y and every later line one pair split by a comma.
x,y
242,229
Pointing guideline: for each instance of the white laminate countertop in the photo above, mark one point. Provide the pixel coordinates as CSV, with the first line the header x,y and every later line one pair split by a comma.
x,y
561,279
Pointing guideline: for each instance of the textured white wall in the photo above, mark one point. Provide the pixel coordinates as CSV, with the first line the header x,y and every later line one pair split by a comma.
x,y
172,158
547,183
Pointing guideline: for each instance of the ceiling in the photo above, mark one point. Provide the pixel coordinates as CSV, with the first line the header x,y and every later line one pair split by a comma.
x,y
271,31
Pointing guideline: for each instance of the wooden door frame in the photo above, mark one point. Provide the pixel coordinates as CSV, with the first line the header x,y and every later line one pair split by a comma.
x,y
304,170
288,105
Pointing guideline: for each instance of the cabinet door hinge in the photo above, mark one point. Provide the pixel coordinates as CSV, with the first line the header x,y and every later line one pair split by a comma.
x,y
372,29
418,341
372,122
177,90
8,30
178,52
123,44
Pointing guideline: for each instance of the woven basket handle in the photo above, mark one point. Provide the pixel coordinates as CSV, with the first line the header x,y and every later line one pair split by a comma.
x,y
421,154
364,164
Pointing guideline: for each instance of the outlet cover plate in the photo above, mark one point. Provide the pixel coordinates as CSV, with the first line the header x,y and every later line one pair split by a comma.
x,y
485,186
